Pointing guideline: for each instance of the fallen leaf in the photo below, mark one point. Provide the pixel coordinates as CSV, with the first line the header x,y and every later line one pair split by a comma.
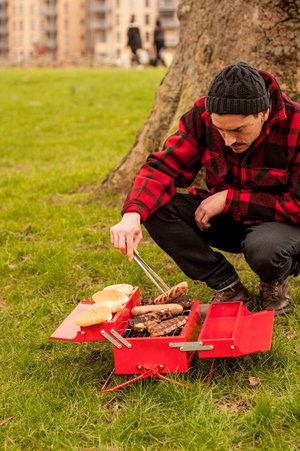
x,y
253,381
5,420
235,405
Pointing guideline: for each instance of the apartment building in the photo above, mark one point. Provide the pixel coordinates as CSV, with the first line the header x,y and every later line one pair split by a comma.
x,y
72,30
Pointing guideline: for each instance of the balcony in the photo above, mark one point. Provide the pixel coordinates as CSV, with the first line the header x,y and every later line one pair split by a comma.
x,y
100,8
167,5
49,27
3,30
171,42
49,12
100,25
50,44
3,2
170,24
4,45
3,14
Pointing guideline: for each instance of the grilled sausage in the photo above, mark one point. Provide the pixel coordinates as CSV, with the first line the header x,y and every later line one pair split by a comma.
x,y
175,309
172,293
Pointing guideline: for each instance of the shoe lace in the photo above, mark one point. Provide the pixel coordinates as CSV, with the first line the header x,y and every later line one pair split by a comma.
x,y
271,289
217,296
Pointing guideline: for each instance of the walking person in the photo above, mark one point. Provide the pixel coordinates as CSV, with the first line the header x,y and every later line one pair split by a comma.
x,y
246,134
159,43
134,39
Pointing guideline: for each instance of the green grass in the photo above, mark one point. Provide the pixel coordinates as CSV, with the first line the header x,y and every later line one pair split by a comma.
x,y
61,132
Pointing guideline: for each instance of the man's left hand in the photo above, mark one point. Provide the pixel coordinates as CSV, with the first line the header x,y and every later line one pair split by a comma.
x,y
209,207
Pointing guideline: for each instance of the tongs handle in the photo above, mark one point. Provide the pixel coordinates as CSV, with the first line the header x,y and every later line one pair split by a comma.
x,y
148,271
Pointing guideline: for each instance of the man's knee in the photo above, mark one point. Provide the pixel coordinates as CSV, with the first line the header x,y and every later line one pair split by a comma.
x,y
268,248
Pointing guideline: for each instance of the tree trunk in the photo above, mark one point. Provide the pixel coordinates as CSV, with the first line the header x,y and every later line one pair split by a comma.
x,y
213,34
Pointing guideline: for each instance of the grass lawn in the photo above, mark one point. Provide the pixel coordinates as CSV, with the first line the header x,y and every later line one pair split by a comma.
x,y
61,132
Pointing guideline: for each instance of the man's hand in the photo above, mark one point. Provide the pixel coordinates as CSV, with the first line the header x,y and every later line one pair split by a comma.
x,y
209,207
127,234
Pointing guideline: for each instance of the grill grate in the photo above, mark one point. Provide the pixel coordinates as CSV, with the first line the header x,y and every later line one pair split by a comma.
x,y
130,333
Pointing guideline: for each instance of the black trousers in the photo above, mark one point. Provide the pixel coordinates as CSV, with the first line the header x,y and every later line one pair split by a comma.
x,y
271,249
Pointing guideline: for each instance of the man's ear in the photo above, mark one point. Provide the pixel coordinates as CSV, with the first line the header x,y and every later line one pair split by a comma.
x,y
265,114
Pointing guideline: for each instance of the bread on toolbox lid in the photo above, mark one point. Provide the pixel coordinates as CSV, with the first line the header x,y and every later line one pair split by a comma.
x,y
90,317
122,287
110,295
112,305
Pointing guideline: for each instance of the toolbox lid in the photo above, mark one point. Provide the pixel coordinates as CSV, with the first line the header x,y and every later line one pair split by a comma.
x,y
69,331
230,330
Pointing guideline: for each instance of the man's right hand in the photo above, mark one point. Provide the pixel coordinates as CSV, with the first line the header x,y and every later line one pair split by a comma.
x,y
127,234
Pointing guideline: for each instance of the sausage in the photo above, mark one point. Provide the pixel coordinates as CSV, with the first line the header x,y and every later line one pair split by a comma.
x,y
172,293
175,309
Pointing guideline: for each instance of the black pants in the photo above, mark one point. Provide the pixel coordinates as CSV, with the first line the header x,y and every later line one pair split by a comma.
x,y
271,249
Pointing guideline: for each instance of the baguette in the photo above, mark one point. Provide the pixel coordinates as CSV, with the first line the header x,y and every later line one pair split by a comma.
x,y
172,293
175,309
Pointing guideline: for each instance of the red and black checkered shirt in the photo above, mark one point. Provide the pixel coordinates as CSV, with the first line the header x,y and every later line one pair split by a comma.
x,y
263,183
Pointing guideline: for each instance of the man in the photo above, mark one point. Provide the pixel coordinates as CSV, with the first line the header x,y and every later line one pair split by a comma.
x,y
134,39
246,135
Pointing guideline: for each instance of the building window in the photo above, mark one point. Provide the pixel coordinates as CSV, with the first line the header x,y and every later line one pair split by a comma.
x,y
147,3
67,40
66,24
32,25
21,25
31,9
66,8
21,10
147,36
101,37
117,19
132,4
118,37
118,3
147,19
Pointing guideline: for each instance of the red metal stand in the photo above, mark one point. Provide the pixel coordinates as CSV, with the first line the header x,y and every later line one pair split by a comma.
x,y
145,372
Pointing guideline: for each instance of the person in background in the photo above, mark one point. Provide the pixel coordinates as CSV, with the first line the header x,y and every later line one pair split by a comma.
x,y
134,39
159,43
246,134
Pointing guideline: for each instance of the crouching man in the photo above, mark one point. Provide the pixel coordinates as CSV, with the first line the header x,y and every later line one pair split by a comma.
x,y
245,133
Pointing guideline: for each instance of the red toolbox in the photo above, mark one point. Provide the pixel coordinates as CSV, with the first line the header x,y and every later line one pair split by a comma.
x,y
229,330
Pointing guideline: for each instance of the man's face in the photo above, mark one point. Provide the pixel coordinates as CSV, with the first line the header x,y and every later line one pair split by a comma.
x,y
239,131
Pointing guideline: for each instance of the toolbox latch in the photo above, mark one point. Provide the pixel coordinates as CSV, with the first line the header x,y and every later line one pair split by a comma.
x,y
192,346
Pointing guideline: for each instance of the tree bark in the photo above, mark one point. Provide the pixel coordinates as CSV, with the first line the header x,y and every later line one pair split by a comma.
x,y
213,34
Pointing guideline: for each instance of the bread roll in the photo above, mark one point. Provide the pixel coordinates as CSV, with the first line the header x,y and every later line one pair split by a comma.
x,y
90,317
111,296
122,287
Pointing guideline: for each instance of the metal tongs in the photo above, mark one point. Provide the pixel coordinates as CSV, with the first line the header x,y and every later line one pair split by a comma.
x,y
148,271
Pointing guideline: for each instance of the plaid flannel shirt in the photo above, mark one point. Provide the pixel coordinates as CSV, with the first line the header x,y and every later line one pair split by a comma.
x,y
263,183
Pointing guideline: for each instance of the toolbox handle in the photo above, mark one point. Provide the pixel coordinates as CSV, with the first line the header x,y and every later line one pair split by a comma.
x,y
113,341
120,338
192,346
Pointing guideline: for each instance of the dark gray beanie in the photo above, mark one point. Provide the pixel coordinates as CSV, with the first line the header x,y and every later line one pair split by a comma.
x,y
237,89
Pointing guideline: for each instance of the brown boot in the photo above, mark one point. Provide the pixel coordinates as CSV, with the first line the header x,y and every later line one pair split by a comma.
x,y
235,293
275,296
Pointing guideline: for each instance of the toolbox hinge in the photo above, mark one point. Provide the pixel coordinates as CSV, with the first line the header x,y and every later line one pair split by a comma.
x,y
192,346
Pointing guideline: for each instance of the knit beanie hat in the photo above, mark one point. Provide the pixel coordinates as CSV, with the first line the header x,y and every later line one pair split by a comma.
x,y
237,89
